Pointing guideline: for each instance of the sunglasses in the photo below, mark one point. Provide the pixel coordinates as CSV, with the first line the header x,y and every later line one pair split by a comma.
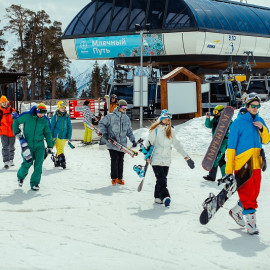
x,y
123,107
255,106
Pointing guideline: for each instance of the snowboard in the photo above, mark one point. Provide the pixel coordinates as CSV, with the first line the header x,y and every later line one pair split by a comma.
x,y
125,149
223,124
26,153
141,170
232,183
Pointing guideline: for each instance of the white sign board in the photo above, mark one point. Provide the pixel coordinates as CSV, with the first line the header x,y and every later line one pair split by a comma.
x,y
182,97
137,91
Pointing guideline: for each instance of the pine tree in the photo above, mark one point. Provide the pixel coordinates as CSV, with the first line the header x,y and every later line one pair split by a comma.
x,y
96,82
84,94
18,20
71,90
57,61
2,49
105,79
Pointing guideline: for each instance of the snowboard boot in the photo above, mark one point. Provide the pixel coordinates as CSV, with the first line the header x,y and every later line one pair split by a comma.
x,y
120,181
62,161
35,188
167,201
251,224
158,200
20,182
6,165
114,182
55,161
237,215
208,178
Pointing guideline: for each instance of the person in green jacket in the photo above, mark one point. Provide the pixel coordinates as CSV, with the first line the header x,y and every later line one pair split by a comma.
x,y
61,132
220,159
36,127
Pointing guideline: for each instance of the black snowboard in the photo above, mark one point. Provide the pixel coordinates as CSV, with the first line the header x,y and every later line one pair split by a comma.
x,y
232,184
220,132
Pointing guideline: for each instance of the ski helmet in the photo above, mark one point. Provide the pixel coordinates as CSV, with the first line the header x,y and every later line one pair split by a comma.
x,y
252,97
218,109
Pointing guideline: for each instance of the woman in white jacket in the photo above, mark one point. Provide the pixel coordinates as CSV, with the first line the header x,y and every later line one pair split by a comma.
x,y
162,137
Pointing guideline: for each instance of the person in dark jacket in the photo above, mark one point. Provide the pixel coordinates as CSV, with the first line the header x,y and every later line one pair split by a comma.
x,y
61,132
117,126
220,159
36,127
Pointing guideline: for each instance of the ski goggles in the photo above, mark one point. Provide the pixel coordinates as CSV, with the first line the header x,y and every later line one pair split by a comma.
x,y
165,115
252,97
217,111
123,107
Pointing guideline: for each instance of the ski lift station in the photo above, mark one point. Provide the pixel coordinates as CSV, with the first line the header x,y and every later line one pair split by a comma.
x,y
182,43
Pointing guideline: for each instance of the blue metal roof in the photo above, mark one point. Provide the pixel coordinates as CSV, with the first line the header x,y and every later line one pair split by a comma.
x,y
120,16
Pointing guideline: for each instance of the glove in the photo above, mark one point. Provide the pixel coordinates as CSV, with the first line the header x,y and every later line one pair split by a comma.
x,y
14,115
190,163
134,144
50,150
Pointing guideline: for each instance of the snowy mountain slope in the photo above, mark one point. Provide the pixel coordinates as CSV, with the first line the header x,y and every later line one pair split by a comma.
x,y
79,221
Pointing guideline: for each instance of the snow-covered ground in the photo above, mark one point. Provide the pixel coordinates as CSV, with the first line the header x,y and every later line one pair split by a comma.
x,y
79,221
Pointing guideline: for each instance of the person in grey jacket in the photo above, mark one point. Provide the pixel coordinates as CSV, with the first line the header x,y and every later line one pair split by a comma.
x,y
117,126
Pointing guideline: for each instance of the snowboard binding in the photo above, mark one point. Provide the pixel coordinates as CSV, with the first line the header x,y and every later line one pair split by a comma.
x,y
140,170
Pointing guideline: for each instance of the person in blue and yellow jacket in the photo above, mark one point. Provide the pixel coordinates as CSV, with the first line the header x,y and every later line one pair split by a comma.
x,y
247,134
61,132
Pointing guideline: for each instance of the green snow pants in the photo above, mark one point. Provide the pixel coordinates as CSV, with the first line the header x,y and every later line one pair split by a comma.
x,y
38,158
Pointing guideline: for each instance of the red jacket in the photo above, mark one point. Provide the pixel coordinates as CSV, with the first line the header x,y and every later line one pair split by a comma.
x,y
6,121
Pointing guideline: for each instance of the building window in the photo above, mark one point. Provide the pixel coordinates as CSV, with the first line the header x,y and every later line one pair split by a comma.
x,y
137,15
156,14
103,17
120,16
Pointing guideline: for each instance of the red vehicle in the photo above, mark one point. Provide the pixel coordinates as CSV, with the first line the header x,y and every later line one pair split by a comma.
x,y
75,107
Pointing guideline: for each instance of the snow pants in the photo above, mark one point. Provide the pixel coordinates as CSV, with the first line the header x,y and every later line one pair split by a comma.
x,y
161,190
38,158
249,192
8,148
87,134
60,145
117,164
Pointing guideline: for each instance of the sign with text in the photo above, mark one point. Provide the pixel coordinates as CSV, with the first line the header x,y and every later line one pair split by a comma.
x,y
119,46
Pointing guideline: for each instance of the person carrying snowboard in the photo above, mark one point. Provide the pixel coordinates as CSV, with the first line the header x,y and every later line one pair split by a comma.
x,y
162,137
36,128
87,118
7,137
247,133
220,159
61,129
117,126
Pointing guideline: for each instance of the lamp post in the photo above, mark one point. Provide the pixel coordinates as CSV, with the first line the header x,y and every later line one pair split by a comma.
x,y
141,31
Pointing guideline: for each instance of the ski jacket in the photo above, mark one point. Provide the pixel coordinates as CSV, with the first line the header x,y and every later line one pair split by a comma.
x,y
87,114
117,126
61,126
6,121
35,129
245,141
161,155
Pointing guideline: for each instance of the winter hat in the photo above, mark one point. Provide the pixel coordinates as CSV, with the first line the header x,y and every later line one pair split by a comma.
x,y
122,102
41,108
61,104
3,99
114,96
165,115
252,97
86,102
218,109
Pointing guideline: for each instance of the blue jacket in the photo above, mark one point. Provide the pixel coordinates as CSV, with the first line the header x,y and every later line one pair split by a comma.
x,y
245,140
61,126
